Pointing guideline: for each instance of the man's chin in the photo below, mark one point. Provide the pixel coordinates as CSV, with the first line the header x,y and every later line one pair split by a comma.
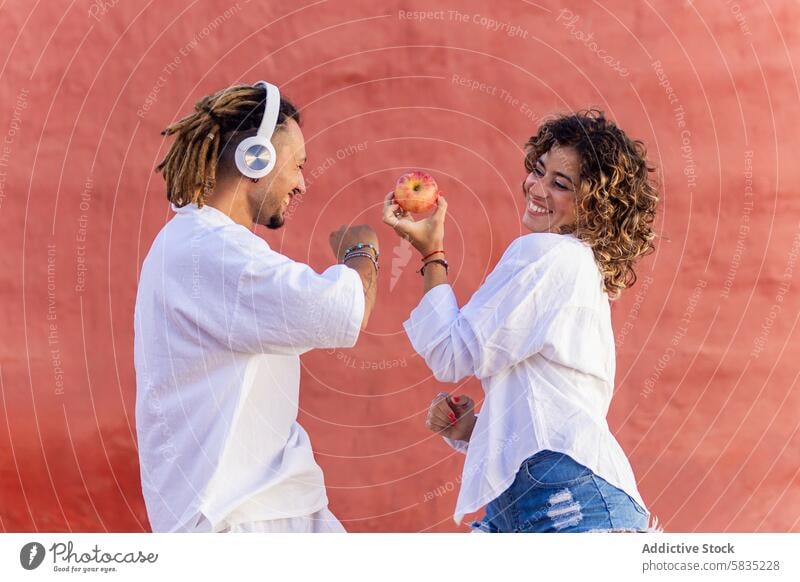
x,y
275,222
272,222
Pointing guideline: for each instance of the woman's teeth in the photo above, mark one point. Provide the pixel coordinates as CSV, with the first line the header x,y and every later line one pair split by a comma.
x,y
534,208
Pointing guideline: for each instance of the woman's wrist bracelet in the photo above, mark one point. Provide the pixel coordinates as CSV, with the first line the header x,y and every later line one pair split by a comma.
x,y
426,257
441,262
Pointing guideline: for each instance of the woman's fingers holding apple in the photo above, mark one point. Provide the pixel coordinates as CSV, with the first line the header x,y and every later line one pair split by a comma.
x,y
441,208
389,210
392,213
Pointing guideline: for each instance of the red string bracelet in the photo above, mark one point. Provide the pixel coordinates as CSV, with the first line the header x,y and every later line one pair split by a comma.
x,y
430,255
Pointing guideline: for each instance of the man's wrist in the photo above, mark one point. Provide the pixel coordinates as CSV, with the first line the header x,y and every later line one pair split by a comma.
x,y
371,248
362,257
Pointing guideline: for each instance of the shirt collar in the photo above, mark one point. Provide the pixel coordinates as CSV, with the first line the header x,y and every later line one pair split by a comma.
x,y
206,213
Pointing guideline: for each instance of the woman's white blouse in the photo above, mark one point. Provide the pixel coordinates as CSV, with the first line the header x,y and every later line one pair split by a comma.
x,y
538,335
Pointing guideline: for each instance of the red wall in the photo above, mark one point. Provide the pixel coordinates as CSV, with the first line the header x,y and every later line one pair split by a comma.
x,y
707,404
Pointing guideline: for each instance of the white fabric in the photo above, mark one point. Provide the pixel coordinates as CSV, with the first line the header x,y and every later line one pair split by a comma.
x,y
538,335
219,324
323,521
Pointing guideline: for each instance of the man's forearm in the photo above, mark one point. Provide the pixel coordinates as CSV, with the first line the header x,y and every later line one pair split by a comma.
x,y
369,278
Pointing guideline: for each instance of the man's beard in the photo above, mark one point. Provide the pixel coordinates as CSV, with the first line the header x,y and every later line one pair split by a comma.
x,y
275,221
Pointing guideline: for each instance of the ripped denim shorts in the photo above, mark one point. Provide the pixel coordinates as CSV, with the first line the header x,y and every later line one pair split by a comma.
x,y
553,493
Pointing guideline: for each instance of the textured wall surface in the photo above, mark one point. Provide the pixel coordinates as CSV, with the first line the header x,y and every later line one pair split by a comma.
x,y
707,403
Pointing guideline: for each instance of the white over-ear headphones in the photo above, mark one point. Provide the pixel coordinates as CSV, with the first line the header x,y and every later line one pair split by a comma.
x,y
255,156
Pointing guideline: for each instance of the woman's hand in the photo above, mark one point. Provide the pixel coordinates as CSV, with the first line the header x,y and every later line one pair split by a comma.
x,y
425,235
452,416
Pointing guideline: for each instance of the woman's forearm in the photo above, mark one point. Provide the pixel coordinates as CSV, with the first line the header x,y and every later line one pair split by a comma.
x,y
435,273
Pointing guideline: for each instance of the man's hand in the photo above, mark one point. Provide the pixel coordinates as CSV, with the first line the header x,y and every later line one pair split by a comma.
x,y
344,238
452,416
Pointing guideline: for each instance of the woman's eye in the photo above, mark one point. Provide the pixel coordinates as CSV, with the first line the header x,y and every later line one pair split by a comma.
x,y
562,186
539,172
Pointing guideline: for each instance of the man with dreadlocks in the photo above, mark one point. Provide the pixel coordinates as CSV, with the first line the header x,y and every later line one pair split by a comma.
x,y
220,321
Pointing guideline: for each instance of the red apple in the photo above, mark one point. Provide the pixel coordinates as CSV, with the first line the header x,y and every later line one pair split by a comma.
x,y
416,192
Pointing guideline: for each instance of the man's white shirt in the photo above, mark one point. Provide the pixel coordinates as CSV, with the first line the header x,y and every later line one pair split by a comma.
x,y
220,322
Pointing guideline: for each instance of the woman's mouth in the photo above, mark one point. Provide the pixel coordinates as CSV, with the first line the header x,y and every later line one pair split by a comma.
x,y
537,209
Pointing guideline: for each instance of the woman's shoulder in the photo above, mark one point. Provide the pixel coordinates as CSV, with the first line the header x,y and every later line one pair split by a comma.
x,y
547,247
563,259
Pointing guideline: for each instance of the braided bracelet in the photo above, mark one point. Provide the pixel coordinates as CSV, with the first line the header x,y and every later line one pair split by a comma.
x,y
441,262
360,246
366,254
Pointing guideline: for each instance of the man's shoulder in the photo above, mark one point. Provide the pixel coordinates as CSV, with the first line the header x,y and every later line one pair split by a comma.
x,y
193,236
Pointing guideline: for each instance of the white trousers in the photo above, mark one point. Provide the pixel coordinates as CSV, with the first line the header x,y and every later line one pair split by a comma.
x,y
323,521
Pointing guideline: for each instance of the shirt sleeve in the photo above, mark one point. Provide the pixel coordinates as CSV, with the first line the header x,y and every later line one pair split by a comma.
x,y
506,321
285,307
460,446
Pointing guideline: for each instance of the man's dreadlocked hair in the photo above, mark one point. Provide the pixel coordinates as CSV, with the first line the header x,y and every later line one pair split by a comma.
x,y
190,166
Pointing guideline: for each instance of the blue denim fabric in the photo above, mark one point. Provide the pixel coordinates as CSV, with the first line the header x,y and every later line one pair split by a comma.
x,y
553,493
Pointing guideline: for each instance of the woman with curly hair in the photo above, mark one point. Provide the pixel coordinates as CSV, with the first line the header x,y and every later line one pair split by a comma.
x,y
537,333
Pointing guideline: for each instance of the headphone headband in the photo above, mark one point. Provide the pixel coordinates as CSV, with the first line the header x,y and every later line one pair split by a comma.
x,y
255,155
271,109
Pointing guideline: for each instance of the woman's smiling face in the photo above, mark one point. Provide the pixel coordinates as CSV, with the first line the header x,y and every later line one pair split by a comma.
x,y
550,190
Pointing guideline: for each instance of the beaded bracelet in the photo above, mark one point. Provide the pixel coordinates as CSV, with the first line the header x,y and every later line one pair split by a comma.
x,y
360,246
366,254
441,262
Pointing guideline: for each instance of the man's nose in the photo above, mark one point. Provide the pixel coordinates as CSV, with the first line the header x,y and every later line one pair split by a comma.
x,y
301,185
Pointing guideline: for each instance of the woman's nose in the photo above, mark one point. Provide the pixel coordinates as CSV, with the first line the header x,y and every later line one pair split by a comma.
x,y
530,180
534,185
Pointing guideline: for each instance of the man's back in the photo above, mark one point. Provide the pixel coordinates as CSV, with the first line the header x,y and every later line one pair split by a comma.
x,y
218,373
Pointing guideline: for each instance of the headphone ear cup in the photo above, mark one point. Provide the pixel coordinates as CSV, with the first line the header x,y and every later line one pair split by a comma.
x,y
255,156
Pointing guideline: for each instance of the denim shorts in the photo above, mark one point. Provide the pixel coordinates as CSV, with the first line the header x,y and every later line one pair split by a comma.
x,y
553,493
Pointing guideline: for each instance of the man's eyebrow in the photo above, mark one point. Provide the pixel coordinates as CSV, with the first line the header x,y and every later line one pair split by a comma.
x,y
562,174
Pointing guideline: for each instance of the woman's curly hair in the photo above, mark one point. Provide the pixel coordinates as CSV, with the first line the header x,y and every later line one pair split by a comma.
x,y
616,199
